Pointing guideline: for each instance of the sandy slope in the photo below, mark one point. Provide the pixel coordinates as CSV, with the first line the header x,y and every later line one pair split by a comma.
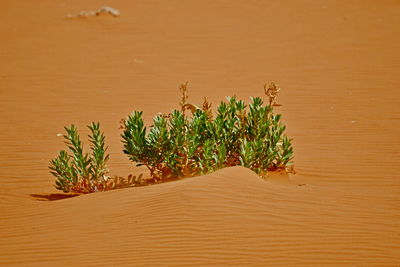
x,y
338,63
229,217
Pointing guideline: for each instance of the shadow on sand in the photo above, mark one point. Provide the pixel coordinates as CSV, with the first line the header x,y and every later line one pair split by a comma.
x,y
52,197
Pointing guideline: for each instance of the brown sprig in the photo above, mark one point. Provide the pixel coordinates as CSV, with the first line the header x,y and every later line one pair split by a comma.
x,y
272,92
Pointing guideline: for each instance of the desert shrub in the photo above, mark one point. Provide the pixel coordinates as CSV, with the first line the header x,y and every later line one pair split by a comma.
x,y
179,145
81,172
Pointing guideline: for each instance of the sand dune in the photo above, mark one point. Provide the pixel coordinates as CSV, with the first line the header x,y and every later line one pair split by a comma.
x,y
229,217
338,64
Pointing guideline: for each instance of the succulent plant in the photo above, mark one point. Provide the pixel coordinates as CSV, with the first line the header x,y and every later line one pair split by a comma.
x,y
178,145
80,172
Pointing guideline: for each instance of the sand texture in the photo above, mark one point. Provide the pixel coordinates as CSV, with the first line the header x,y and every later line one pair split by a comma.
x,y
338,64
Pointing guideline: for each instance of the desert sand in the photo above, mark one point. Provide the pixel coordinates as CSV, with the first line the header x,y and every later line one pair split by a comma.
x,y
338,64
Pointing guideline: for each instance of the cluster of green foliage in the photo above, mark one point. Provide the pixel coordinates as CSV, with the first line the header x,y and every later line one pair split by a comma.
x,y
81,172
181,145
178,145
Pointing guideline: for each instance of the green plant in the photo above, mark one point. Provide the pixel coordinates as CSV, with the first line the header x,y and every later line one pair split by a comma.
x,y
181,145
81,172
178,145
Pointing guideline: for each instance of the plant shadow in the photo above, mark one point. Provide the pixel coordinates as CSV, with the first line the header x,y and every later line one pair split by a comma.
x,y
52,197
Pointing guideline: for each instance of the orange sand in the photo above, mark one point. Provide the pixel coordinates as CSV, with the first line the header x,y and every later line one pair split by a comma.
x,y
338,64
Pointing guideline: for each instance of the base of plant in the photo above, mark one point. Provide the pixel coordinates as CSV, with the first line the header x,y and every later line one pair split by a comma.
x,y
112,183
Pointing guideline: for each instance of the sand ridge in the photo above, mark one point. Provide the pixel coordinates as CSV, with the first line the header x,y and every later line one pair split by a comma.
x,y
230,217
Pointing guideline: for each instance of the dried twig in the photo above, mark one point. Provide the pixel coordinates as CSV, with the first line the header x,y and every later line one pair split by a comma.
x,y
272,93
104,10
184,90
207,109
